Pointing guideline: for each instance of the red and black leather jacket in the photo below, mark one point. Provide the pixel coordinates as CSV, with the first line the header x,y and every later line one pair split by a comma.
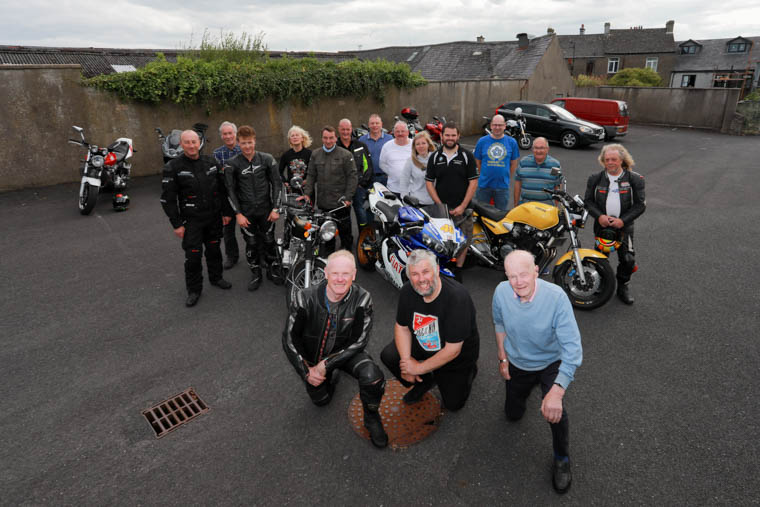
x,y
318,329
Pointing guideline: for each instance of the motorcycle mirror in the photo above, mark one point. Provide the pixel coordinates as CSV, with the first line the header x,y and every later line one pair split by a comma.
x,y
296,182
556,171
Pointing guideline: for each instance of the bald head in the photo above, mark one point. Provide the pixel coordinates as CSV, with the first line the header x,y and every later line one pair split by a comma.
x,y
540,149
191,143
498,126
517,258
522,273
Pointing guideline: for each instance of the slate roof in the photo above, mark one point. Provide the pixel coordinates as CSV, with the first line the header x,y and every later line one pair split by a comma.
x,y
618,42
713,56
463,60
94,61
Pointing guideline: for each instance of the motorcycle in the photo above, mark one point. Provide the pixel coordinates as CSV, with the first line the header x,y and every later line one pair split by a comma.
x,y
401,226
171,146
515,129
305,229
584,274
104,167
435,128
410,116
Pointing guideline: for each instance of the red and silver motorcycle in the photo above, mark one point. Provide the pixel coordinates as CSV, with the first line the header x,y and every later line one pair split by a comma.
x,y
104,167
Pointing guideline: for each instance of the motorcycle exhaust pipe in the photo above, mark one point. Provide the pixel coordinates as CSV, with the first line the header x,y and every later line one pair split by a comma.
x,y
480,255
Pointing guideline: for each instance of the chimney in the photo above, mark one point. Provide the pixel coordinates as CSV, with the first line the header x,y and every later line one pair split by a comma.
x,y
583,29
481,38
606,29
550,31
669,26
522,40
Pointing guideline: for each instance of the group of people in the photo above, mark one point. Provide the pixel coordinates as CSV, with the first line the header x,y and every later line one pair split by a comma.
x,y
436,340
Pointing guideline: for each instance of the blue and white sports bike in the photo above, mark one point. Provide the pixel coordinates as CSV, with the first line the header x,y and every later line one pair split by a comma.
x,y
401,226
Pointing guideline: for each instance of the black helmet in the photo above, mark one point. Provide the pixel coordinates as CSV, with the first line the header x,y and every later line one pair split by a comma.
x,y
120,202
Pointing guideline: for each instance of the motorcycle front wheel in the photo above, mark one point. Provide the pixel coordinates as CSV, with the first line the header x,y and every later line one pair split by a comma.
x,y
366,253
296,279
88,197
600,282
525,142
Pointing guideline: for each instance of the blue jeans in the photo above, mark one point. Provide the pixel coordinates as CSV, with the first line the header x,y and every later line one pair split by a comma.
x,y
361,213
500,196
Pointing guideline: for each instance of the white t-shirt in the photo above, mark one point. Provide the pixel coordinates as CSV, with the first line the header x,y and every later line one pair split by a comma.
x,y
413,180
613,196
392,160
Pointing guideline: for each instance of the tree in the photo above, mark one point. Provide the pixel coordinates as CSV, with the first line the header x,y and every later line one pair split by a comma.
x,y
635,77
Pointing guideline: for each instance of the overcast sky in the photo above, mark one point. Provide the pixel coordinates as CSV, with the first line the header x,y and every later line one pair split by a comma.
x,y
325,25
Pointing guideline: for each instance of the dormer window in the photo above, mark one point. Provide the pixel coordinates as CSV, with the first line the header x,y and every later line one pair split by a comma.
x,y
689,50
737,47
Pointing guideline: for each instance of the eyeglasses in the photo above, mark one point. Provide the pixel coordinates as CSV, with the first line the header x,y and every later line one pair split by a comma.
x,y
498,124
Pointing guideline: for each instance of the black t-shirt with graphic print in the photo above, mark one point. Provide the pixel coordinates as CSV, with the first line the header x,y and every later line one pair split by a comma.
x,y
294,163
448,318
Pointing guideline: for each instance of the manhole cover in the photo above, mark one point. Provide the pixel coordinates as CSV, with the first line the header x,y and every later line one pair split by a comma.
x,y
174,412
404,424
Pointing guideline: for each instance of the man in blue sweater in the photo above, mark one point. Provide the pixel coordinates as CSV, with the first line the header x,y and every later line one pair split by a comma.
x,y
538,342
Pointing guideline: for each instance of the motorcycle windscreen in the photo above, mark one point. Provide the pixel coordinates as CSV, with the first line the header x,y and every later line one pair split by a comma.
x,y
536,214
439,210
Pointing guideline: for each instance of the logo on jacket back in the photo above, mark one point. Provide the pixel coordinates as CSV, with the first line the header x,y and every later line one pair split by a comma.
x,y
426,331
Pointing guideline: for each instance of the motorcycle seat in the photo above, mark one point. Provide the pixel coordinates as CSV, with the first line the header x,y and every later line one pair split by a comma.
x,y
488,211
390,212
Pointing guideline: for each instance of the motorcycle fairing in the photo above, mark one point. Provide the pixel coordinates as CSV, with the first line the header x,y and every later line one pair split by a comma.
x,y
583,252
536,214
409,214
497,228
394,261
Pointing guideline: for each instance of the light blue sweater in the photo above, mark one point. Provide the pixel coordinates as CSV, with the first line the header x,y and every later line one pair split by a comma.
x,y
539,332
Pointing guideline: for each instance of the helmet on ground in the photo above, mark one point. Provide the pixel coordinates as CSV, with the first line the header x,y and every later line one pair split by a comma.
x,y
608,240
120,202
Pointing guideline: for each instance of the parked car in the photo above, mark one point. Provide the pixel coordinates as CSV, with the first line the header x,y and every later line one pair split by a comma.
x,y
554,123
610,114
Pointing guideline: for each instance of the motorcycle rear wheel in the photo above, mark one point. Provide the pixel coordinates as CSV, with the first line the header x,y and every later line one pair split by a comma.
x,y
297,277
598,273
366,255
88,198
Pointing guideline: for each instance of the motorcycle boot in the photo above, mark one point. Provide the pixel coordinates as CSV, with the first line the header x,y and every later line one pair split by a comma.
x,y
624,293
374,425
256,278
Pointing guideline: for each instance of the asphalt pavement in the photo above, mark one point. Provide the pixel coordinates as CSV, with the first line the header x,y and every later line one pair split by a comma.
x,y
94,330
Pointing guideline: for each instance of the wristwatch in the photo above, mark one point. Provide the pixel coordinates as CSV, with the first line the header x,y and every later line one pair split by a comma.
x,y
503,360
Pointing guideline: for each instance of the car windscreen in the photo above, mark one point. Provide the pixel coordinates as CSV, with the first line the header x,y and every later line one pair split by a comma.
x,y
561,112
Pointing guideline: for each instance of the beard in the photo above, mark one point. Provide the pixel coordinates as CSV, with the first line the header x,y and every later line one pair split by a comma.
x,y
426,292
449,144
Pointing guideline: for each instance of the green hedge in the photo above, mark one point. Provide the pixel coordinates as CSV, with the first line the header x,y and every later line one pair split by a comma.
x,y
194,81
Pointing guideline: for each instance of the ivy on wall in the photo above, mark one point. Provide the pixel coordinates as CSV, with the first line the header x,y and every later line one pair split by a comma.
x,y
228,83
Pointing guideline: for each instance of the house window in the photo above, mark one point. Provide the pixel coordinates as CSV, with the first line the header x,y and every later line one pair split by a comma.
x,y
688,80
651,63
612,65
688,50
590,68
737,47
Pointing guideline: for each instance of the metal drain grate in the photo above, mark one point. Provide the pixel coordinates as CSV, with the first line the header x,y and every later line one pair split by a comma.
x,y
404,424
174,412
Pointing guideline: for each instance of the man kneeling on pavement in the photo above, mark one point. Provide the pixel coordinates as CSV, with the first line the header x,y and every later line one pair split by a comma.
x,y
537,342
328,329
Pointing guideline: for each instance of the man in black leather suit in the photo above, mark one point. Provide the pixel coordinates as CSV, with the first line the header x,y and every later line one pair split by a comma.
x,y
194,198
327,329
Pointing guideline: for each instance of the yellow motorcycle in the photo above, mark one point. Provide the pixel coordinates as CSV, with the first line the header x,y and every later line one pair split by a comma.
x,y
585,275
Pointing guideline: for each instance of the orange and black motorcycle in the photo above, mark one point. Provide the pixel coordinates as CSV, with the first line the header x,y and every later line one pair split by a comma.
x,y
585,275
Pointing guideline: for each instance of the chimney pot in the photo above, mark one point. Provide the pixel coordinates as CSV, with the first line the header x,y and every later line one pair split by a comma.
x,y
481,38
669,26
583,29
522,40
550,31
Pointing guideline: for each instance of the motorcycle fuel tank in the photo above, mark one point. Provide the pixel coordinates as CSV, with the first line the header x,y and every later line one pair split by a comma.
x,y
536,214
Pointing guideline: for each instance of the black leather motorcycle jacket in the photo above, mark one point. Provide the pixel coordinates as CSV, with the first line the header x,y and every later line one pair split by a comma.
x,y
632,197
255,187
318,329
193,189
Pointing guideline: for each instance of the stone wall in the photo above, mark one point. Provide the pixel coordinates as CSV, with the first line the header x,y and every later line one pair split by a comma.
x,y
40,103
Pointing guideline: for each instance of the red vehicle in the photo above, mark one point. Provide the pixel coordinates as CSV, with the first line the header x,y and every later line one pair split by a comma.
x,y
610,114
435,128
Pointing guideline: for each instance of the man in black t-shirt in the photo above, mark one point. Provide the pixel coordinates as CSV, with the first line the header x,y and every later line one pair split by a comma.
x,y
452,179
436,338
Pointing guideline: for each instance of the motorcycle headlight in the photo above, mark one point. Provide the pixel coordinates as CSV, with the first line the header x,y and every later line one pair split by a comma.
x,y
327,230
586,130
97,161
